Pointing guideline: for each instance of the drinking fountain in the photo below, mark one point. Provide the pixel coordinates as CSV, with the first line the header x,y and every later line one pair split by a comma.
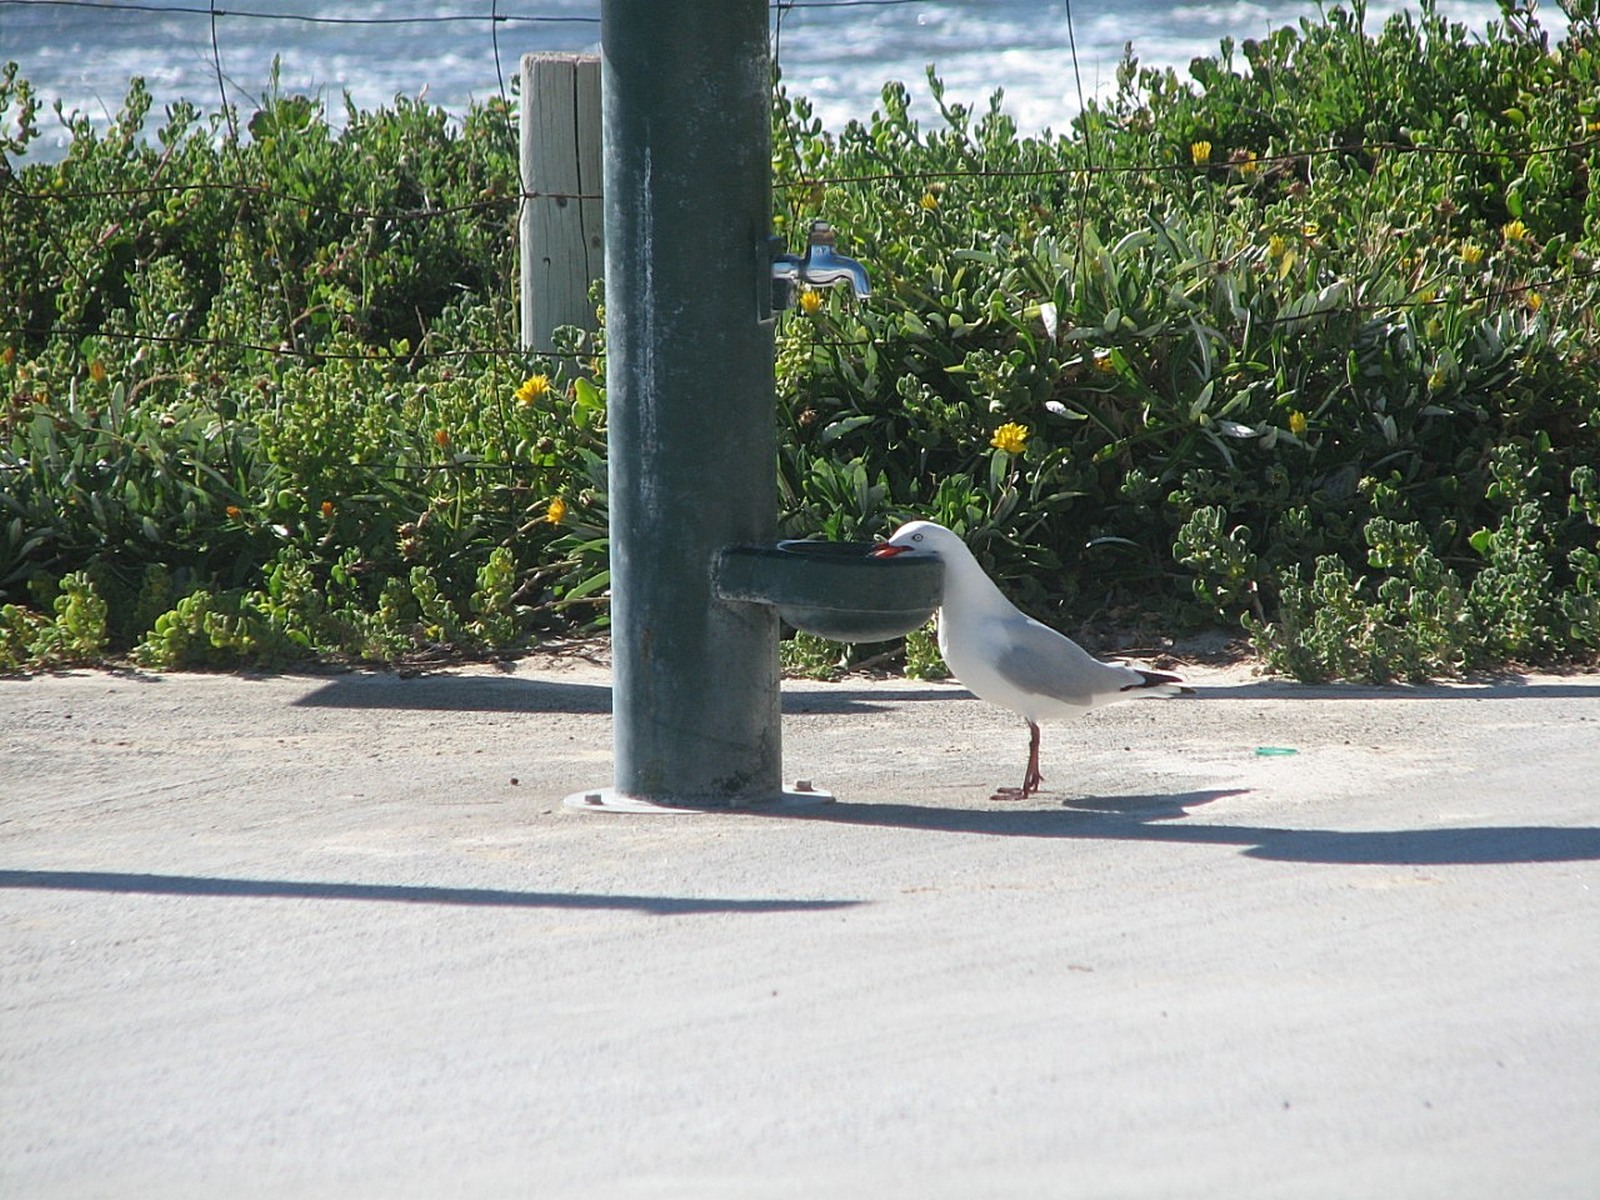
x,y
699,580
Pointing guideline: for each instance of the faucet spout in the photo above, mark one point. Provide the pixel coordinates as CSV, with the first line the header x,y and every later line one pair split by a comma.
x,y
821,266
824,266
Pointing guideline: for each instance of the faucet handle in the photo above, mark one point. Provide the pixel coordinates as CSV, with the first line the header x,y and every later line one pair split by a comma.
x,y
822,234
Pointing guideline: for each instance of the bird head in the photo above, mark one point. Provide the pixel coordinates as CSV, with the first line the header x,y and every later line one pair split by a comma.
x,y
919,538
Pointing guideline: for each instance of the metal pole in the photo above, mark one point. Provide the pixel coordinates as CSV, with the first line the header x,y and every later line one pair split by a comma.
x,y
690,390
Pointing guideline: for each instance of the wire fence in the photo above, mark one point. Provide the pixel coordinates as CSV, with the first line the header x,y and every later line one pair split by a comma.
x,y
498,16
494,17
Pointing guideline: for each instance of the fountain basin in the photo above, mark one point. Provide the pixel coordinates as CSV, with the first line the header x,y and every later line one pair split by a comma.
x,y
835,590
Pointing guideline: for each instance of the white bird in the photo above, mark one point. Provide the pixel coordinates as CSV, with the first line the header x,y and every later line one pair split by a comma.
x,y
1004,656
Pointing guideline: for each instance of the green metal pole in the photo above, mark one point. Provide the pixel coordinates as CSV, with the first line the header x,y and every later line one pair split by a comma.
x,y
690,389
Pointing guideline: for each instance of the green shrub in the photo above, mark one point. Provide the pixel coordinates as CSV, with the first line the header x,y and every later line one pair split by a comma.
x,y
274,392
76,637
1262,328
1301,342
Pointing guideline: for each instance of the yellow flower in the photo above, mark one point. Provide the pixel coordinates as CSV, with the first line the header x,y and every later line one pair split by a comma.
x,y
1276,247
929,202
1514,231
1246,161
1535,302
97,371
1471,253
441,438
1010,438
1200,152
557,511
1297,423
533,389
810,301
327,510
1103,362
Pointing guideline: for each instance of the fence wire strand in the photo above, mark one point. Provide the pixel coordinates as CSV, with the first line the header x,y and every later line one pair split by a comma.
x,y
1082,174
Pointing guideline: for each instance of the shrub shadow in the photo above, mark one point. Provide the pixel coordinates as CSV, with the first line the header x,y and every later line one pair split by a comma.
x,y
284,889
477,693
456,693
1500,688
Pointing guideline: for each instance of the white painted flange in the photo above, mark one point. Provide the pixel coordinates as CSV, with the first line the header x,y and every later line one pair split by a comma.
x,y
609,800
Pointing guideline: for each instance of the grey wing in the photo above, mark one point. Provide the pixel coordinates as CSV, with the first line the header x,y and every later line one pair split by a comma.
x,y
1041,662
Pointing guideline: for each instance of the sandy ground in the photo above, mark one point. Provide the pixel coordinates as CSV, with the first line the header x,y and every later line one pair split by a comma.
x,y
337,936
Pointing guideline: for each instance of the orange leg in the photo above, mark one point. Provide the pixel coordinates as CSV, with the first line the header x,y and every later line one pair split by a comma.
x,y
1031,779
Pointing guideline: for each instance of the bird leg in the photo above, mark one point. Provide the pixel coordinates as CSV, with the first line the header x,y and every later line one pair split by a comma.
x,y
1031,779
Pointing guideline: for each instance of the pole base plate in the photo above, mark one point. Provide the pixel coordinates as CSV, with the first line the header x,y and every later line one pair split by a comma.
x,y
608,800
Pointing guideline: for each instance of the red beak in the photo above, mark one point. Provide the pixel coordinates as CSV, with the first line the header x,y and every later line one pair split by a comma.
x,y
888,551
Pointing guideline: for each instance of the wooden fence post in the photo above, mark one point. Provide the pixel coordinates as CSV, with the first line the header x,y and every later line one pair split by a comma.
x,y
562,218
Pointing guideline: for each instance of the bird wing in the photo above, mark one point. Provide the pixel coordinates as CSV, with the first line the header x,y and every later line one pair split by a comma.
x,y
1038,661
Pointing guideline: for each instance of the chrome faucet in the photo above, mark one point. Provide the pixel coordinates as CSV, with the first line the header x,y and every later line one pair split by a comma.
x,y
820,266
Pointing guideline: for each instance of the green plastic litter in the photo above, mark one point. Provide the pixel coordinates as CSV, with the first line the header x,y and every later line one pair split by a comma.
x,y
1275,751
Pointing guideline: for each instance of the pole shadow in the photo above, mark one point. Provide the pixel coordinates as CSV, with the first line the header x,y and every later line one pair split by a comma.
x,y
119,883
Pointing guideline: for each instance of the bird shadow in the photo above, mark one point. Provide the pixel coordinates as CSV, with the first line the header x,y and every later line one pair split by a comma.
x,y
1163,819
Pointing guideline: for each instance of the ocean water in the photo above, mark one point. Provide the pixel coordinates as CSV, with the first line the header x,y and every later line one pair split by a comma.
x,y
450,51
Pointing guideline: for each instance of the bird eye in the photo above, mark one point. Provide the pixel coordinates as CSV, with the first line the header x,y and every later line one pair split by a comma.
x,y
916,537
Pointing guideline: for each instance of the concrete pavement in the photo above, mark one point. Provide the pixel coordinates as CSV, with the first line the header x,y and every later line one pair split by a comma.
x,y
336,936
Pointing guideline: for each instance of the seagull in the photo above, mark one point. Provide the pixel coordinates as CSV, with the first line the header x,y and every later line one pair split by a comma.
x,y
1004,656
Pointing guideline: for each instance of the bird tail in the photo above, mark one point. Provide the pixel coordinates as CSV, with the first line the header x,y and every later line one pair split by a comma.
x,y
1156,683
